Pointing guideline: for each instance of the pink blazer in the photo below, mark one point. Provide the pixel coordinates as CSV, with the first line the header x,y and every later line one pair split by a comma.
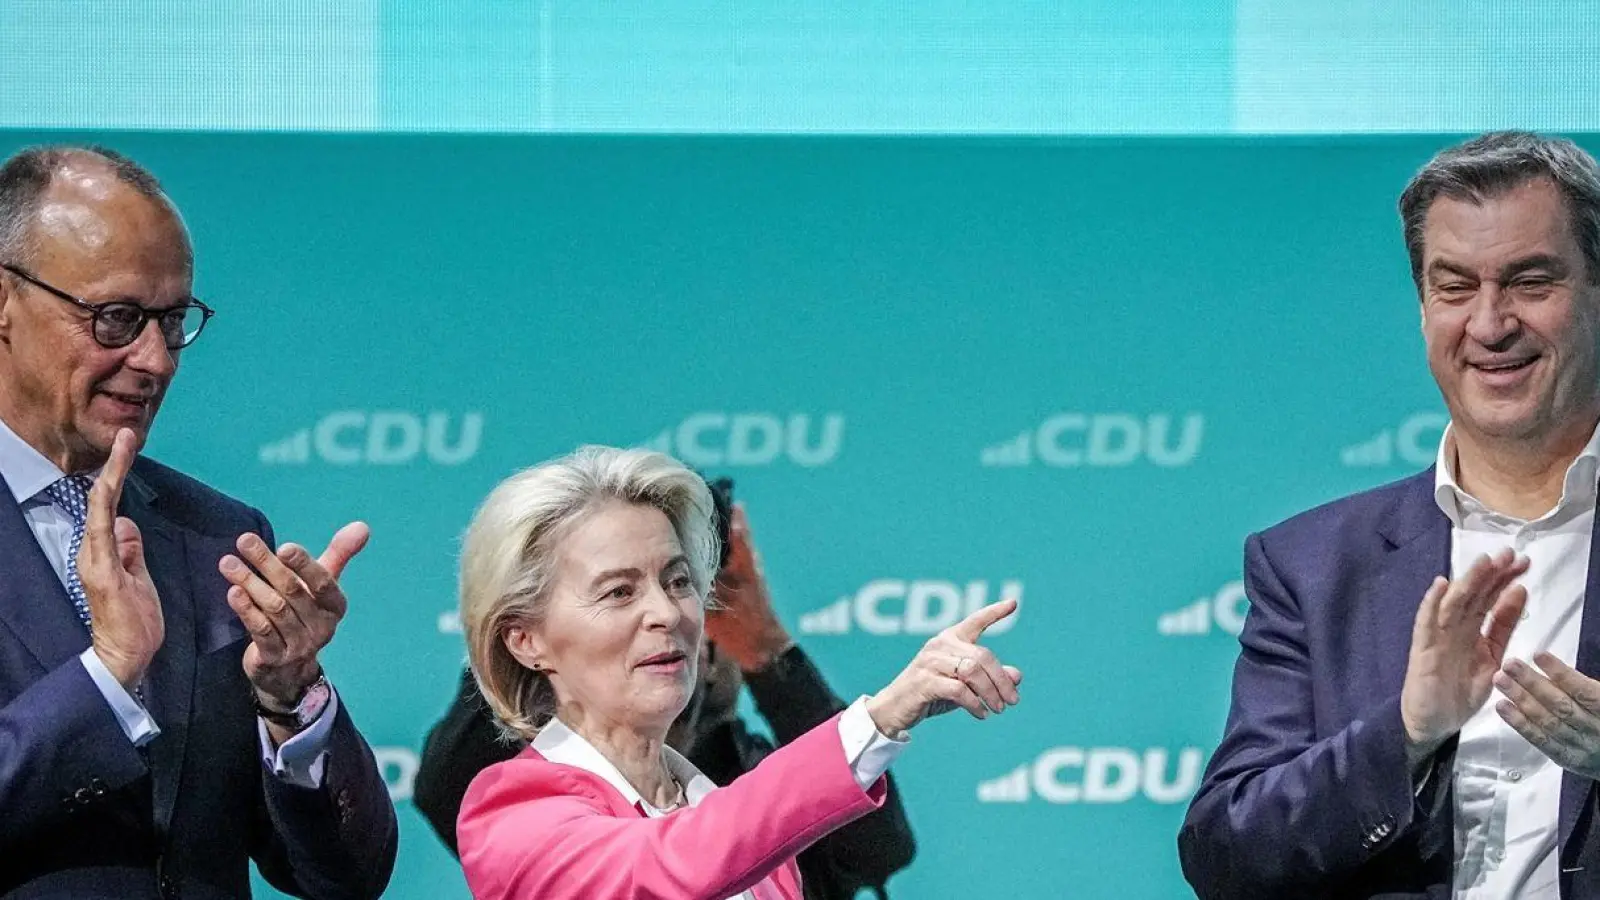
x,y
531,829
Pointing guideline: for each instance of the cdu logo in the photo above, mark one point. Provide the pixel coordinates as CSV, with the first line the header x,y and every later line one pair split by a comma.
x,y
1223,611
891,606
380,439
1104,440
1099,775
1414,443
752,439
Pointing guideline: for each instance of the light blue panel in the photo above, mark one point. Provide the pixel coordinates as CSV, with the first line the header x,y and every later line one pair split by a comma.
x,y
472,66
1160,67
221,64
723,65
1436,65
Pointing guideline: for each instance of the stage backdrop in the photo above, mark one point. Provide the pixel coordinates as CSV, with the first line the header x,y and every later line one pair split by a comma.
x,y
941,371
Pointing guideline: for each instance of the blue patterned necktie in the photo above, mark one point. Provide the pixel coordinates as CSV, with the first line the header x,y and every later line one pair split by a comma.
x,y
71,494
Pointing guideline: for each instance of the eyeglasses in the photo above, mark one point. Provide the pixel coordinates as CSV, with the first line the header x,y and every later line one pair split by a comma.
x,y
120,322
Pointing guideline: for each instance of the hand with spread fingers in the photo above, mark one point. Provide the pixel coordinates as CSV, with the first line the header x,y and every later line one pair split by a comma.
x,y
1454,656
1557,710
951,671
124,607
291,604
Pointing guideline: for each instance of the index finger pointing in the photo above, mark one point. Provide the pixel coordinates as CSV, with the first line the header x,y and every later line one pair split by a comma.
x,y
973,626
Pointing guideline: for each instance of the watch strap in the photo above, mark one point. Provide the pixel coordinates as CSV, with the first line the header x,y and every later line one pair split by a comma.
x,y
282,719
287,718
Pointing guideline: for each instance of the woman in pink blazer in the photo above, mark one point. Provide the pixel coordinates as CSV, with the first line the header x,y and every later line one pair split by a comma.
x,y
583,588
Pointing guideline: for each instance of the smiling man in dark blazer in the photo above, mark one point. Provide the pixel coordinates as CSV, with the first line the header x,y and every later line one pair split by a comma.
x,y
1415,706
163,716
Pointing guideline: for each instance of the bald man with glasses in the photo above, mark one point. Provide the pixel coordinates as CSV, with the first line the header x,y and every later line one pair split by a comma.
x,y
164,719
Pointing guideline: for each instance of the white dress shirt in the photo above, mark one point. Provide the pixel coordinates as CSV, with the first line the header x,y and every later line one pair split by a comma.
x,y
28,473
868,752
1507,793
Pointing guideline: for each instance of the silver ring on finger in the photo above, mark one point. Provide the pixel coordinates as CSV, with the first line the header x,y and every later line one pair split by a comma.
x,y
956,672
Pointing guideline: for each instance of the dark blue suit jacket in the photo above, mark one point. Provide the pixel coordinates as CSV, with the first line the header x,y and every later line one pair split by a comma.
x,y
83,813
1308,794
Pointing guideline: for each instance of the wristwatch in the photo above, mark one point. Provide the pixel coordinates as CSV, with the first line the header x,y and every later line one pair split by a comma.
x,y
312,703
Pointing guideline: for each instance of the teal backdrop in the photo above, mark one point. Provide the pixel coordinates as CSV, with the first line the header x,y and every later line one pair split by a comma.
x,y
1079,371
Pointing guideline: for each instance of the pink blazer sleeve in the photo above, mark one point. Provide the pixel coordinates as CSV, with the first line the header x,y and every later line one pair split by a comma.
x,y
533,830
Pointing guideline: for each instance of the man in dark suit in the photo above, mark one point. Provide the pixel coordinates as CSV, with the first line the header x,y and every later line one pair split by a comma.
x,y
748,645
163,717
1415,710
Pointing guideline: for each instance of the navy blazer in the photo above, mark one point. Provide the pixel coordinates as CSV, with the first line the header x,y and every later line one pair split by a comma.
x,y
1308,794
83,813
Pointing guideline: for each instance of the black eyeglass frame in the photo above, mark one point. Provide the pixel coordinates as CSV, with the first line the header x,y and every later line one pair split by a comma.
x,y
96,310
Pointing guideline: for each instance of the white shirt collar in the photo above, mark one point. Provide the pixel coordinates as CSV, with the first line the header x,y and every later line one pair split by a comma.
x,y
1577,487
26,470
560,744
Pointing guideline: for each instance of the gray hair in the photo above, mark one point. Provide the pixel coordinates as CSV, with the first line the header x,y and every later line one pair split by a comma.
x,y
27,175
1492,164
508,557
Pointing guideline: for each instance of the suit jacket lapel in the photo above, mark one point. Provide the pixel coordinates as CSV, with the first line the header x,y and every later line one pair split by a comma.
x,y
1576,790
169,683
33,603
1418,533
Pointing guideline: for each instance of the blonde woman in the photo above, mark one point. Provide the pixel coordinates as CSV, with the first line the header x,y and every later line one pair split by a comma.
x,y
583,588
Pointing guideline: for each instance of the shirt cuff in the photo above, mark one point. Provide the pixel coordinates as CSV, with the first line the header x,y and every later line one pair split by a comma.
x,y
868,752
302,758
131,715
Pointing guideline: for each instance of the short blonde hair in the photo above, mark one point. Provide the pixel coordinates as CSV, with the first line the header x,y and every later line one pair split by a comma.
x,y
508,557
